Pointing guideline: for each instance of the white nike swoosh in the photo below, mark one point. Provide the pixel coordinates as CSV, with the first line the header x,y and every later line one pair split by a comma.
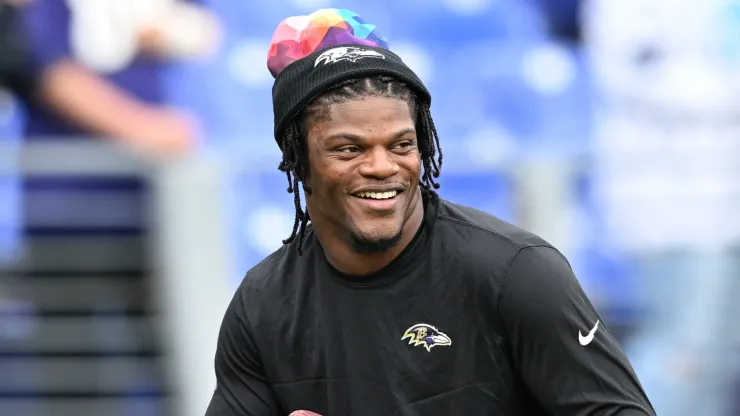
x,y
588,338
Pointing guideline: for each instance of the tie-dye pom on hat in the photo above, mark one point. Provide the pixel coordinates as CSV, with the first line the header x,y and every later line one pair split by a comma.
x,y
298,36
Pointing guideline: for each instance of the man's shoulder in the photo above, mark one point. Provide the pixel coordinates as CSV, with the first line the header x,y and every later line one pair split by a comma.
x,y
483,245
273,272
480,248
481,228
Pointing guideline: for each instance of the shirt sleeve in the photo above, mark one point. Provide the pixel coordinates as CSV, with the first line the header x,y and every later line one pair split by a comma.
x,y
242,388
561,348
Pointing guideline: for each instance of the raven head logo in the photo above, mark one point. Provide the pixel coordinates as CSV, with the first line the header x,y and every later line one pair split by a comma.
x,y
426,336
346,53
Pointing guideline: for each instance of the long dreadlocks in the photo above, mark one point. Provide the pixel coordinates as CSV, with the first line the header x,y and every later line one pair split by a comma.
x,y
295,155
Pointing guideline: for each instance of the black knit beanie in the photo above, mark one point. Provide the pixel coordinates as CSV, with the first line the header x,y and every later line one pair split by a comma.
x,y
306,78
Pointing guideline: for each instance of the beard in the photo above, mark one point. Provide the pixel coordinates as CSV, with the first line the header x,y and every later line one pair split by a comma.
x,y
375,245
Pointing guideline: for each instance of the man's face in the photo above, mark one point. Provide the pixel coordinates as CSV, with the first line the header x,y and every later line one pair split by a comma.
x,y
364,167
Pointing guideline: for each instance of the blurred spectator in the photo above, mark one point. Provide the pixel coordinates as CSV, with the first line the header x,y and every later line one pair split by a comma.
x,y
668,163
99,66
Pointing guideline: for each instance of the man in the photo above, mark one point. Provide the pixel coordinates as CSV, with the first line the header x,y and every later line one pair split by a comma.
x,y
393,300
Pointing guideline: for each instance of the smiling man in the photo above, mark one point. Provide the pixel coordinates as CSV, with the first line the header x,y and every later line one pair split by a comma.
x,y
387,299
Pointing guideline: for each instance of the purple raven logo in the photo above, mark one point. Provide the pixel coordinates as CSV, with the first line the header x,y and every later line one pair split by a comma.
x,y
346,53
426,336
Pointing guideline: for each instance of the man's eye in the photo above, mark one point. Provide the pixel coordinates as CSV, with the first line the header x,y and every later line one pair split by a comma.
x,y
348,149
406,144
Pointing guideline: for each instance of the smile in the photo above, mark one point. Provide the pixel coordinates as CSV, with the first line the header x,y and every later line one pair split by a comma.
x,y
377,195
378,201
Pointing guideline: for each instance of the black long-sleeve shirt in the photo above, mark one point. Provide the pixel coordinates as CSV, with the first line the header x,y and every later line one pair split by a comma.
x,y
475,317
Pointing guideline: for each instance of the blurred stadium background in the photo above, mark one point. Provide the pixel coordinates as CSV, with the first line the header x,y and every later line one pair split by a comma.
x,y
611,128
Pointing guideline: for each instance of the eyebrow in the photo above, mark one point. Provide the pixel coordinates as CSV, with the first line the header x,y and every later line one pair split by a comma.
x,y
359,138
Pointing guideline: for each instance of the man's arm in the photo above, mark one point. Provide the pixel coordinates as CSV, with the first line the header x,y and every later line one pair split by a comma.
x,y
90,101
543,309
242,388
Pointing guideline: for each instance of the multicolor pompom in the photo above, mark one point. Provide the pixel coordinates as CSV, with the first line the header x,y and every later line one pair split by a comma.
x,y
298,36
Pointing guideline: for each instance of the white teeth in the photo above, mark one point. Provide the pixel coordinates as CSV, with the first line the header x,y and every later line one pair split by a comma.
x,y
378,195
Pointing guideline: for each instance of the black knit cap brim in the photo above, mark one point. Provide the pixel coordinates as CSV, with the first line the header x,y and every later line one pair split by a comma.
x,y
305,79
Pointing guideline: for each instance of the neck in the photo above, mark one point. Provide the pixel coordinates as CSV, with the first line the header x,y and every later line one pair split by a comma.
x,y
342,255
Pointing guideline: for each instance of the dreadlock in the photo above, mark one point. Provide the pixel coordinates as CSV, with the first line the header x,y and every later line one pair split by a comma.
x,y
295,155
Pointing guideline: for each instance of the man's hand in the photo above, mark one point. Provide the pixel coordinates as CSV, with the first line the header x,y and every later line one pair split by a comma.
x,y
303,413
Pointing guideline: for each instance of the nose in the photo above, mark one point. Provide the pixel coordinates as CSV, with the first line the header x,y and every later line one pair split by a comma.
x,y
378,163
